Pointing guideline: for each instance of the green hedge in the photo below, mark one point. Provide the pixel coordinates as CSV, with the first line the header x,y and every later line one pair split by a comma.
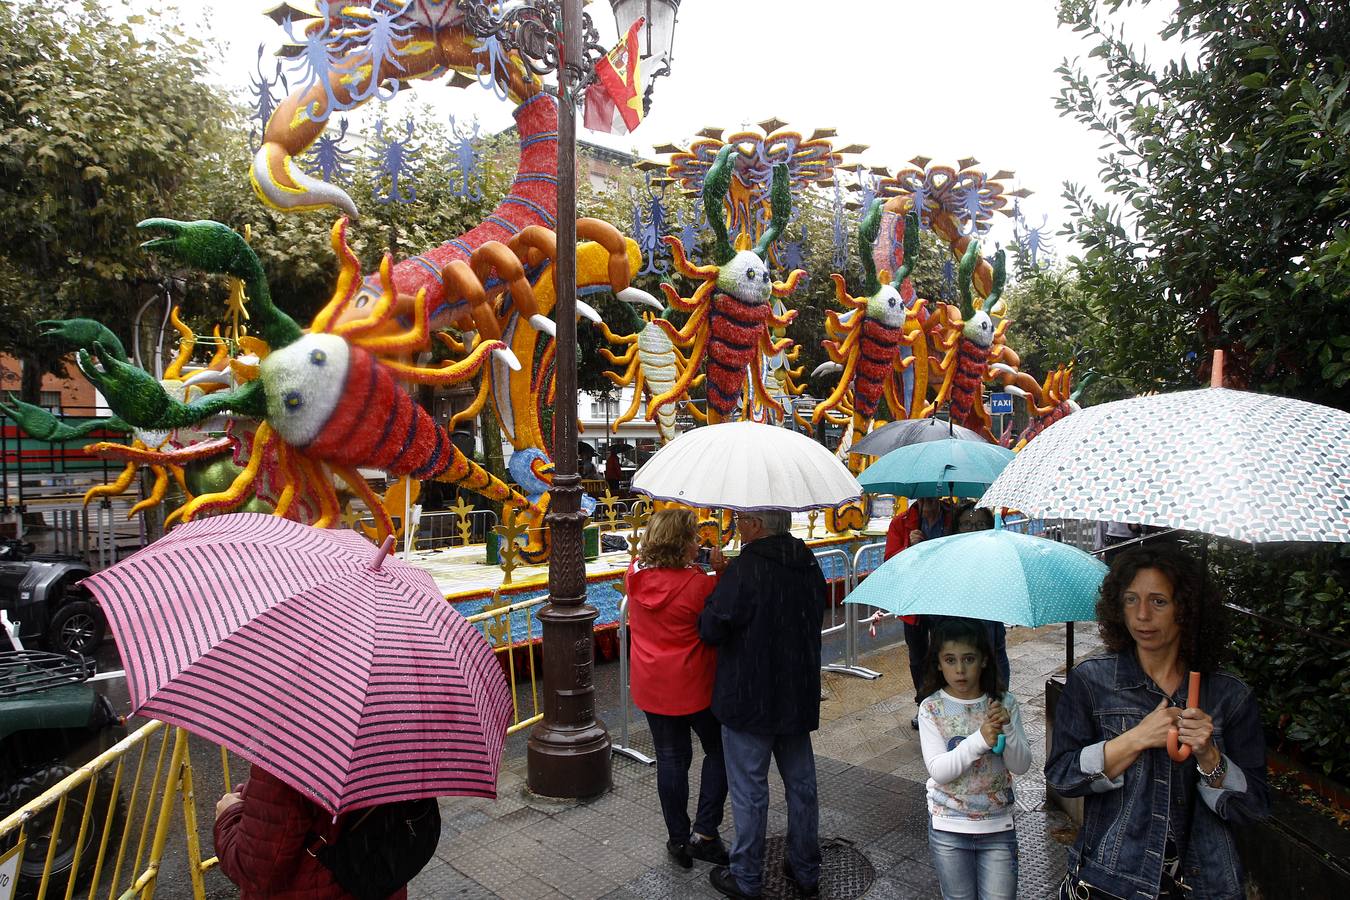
x,y
1302,681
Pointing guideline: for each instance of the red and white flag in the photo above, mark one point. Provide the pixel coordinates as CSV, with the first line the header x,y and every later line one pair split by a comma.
x,y
614,102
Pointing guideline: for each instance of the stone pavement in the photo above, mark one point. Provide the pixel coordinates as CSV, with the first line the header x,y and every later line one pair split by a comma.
x,y
873,819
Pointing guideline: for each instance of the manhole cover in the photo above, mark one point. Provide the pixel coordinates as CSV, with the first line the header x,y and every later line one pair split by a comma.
x,y
844,872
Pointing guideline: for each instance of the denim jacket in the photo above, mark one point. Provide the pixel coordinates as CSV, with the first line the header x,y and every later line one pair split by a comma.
x,y
1119,849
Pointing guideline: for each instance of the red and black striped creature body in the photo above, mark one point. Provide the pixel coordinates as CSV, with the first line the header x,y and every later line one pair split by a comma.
x,y
338,403
735,330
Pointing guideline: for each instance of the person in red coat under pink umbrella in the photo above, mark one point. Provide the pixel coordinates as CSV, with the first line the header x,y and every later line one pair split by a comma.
x,y
260,834
672,680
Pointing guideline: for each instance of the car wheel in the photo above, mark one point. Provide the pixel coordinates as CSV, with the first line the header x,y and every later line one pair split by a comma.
x,y
77,627
39,829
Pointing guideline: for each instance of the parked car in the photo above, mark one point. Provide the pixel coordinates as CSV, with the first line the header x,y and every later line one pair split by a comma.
x,y
42,596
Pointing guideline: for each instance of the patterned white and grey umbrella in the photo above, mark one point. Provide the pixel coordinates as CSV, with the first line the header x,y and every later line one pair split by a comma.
x,y
1247,466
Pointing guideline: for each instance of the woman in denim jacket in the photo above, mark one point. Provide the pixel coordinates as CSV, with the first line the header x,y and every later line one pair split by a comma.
x,y
1153,827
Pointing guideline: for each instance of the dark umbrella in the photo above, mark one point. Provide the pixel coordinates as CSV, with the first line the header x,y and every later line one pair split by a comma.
x,y
910,431
585,450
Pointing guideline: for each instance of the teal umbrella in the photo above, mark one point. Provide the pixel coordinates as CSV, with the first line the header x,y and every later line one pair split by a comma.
x,y
946,468
997,575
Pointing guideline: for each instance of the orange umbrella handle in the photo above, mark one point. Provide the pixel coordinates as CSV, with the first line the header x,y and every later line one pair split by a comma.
x,y
1179,753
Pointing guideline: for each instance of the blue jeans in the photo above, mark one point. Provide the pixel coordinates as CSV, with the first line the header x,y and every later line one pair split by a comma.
x,y
674,753
747,756
975,866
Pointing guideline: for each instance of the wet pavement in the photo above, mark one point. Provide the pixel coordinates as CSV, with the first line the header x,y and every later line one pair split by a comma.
x,y
871,783
873,819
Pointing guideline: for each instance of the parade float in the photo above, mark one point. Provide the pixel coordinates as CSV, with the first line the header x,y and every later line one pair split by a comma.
x,y
297,418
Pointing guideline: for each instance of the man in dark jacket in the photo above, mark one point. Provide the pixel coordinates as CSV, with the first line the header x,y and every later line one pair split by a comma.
x,y
764,617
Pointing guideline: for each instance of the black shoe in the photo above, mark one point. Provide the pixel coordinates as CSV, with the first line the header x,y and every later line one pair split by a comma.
x,y
812,891
679,851
711,850
725,883
914,723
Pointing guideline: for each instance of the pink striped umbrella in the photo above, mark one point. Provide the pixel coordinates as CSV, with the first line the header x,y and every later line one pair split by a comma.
x,y
303,650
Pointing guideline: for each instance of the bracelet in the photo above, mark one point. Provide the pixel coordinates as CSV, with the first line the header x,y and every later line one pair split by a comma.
x,y
1220,769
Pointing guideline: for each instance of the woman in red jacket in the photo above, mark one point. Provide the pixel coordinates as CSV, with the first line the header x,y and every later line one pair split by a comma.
x,y
261,838
672,680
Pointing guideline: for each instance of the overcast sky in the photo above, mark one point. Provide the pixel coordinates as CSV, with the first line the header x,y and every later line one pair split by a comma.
x,y
938,79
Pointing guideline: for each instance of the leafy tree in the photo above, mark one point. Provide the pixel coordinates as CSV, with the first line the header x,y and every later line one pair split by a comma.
x,y
1228,225
1228,174
101,122
1055,323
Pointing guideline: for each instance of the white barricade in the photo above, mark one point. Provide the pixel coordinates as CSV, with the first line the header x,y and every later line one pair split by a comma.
x,y
621,746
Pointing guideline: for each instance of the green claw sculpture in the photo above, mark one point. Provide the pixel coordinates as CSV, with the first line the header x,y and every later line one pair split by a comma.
x,y
83,334
142,401
38,423
213,247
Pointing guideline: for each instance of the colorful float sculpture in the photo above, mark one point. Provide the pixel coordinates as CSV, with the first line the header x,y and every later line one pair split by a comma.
x,y
190,456
729,313
302,410
877,344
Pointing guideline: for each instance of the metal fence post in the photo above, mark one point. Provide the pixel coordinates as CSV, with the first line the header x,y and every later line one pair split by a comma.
x,y
849,625
621,746
851,649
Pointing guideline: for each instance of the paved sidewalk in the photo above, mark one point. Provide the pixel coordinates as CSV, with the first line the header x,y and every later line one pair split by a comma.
x,y
873,821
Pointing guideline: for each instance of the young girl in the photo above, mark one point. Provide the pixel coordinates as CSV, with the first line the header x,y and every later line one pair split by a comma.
x,y
970,797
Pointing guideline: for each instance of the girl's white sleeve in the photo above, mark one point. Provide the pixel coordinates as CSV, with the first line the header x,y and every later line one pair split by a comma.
x,y
945,766
1016,750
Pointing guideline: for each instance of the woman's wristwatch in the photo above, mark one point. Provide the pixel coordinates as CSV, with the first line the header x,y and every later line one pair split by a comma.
x,y
1214,778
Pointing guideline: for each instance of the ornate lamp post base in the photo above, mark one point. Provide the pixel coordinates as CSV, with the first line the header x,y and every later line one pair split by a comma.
x,y
569,751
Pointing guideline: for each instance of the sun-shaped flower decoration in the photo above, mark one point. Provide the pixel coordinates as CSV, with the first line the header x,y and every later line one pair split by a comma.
x,y
957,202
808,160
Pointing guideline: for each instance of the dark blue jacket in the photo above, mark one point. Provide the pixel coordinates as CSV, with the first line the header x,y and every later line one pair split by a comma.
x,y
1120,846
764,617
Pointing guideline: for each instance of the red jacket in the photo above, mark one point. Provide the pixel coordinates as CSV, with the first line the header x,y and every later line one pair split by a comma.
x,y
261,844
897,533
672,670
897,538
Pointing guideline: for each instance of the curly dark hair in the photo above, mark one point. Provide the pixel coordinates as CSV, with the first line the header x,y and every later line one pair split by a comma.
x,y
972,633
1203,621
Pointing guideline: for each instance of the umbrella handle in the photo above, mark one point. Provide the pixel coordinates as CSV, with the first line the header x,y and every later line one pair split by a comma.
x,y
380,554
999,744
1179,753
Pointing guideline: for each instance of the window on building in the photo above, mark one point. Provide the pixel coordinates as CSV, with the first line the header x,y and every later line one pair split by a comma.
x,y
50,400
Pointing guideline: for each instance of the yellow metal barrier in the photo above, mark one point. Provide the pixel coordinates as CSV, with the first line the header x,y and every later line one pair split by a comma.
x,y
120,811
496,622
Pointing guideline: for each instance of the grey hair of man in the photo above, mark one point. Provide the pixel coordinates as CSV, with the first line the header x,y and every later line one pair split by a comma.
x,y
773,521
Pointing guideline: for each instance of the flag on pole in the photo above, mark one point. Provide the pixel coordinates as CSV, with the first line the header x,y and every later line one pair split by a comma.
x,y
614,103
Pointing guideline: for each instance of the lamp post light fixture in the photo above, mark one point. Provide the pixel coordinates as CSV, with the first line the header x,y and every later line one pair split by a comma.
x,y
657,37
569,749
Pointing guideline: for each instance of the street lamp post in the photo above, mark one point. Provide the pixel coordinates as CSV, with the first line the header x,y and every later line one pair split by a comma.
x,y
569,750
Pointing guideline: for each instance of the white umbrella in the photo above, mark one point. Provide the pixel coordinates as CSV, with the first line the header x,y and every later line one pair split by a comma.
x,y
746,465
1246,466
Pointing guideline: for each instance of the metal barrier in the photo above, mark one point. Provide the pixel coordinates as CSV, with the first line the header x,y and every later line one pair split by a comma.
x,y
836,566
621,746
122,814
436,530
850,613
508,627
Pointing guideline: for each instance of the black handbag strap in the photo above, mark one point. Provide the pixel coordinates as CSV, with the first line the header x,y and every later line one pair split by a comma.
x,y
1183,839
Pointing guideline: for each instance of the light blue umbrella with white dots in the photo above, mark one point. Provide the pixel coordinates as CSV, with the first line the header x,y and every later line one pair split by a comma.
x,y
999,575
